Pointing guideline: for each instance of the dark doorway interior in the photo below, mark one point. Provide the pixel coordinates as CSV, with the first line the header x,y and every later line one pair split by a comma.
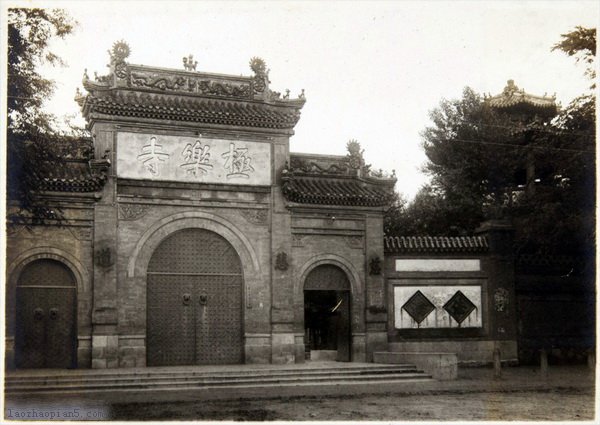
x,y
327,321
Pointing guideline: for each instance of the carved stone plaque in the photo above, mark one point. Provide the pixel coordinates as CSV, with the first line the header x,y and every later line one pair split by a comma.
x,y
193,159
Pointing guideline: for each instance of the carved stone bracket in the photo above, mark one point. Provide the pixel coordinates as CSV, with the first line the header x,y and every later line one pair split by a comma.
x,y
255,216
132,211
298,240
12,230
354,242
375,266
501,299
81,233
281,261
104,257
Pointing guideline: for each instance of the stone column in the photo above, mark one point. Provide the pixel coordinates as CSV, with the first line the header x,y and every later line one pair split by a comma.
x,y
500,269
283,344
105,340
375,312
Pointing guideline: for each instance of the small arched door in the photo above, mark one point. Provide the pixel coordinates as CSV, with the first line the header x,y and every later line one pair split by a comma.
x,y
46,316
327,311
194,301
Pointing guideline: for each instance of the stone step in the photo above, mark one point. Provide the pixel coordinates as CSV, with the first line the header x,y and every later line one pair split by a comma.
x,y
441,366
54,380
223,369
205,378
204,384
116,385
231,392
150,373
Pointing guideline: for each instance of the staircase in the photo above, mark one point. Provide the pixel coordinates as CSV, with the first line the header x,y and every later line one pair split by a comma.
x,y
216,382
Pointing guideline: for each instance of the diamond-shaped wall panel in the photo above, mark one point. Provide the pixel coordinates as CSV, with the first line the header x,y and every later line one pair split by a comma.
x,y
418,307
459,307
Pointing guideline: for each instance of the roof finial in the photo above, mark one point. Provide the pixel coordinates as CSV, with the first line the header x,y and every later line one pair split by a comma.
x,y
120,51
189,64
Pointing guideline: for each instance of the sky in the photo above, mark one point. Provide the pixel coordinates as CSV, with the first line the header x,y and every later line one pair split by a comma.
x,y
371,71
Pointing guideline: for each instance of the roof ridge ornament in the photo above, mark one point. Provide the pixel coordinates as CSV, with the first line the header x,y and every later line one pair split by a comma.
x,y
120,51
189,64
511,88
118,67
261,75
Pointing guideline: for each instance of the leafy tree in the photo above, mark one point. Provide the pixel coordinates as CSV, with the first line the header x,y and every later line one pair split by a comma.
x,y
580,43
477,159
31,132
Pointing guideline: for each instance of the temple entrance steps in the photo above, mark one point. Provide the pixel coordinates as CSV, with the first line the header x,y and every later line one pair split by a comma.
x,y
441,366
298,379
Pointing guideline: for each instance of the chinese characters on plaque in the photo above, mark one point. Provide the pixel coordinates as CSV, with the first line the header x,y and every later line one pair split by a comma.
x,y
152,156
237,163
193,159
196,159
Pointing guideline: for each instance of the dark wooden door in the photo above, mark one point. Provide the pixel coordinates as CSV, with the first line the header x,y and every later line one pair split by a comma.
x,y
194,301
46,321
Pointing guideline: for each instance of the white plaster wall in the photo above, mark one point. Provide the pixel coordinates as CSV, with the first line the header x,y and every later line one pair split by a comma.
x,y
437,265
438,295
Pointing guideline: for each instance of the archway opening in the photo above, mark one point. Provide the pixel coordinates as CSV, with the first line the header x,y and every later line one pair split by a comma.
x,y
327,314
46,316
194,301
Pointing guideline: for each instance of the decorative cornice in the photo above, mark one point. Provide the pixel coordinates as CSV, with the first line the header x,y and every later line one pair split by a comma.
x,y
255,215
135,104
132,211
355,242
298,240
81,233
186,95
334,165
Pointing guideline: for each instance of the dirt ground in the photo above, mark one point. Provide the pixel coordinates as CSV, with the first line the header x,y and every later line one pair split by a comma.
x,y
562,404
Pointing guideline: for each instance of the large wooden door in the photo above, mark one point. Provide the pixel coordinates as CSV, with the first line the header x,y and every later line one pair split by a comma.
x,y
194,301
46,321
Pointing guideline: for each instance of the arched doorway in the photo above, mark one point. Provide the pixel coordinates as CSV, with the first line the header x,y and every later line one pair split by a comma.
x,y
194,301
46,316
327,311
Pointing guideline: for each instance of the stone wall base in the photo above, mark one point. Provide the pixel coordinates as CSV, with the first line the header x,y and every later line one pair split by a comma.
x,y
468,352
105,351
376,341
283,348
257,349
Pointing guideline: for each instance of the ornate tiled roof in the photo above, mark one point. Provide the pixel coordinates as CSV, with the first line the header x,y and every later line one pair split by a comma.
x,y
513,99
73,176
77,172
408,244
330,191
139,91
335,180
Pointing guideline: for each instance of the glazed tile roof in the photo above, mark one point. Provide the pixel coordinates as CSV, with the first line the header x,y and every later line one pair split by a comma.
x,y
74,176
331,191
409,244
335,180
138,91
177,108
514,99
